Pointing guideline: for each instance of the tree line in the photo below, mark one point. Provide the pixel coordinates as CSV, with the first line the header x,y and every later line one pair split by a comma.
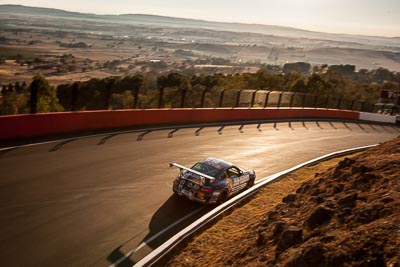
x,y
144,90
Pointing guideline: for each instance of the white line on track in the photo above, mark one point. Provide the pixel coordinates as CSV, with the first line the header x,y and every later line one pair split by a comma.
x,y
144,243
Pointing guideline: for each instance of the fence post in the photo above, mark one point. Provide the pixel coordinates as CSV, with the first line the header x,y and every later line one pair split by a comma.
x,y
238,98
291,100
221,98
266,99
253,98
74,96
315,101
183,98
135,97
303,100
203,97
160,97
352,104
108,94
279,100
338,103
327,102
34,97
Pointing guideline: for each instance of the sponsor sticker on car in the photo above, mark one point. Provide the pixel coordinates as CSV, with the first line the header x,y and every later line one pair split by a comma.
x,y
187,193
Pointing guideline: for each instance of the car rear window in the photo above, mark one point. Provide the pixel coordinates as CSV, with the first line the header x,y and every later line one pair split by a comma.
x,y
206,169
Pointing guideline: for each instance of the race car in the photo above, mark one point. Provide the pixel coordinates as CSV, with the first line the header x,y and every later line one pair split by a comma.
x,y
211,181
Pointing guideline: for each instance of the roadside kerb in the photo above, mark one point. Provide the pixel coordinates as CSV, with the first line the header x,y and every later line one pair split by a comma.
x,y
162,250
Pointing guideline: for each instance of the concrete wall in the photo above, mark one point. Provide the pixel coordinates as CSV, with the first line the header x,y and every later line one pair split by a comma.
x,y
377,117
44,124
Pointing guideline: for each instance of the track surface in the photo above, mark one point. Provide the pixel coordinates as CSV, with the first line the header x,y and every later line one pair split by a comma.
x,y
88,202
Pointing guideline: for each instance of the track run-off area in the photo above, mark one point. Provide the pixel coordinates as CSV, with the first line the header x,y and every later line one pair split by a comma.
x,y
92,201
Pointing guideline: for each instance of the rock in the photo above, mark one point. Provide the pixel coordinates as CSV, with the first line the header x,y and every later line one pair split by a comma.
x,y
289,198
312,255
337,188
363,182
288,238
344,215
385,212
261,239
346,162
278,229
271,216
359,169
344,177
366,215
370,176
348,200
318,217
327,239
387,200
304,187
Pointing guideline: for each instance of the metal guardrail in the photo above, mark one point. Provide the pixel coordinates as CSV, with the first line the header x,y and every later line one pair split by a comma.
x,y
165,248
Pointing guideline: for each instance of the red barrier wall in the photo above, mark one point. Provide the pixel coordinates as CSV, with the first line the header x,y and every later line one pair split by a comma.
x,y
44,124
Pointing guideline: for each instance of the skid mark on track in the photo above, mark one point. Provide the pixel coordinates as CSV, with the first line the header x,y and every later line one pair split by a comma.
x,y
197,132
141,136
220,130
105,139
60,145
332,125
171,133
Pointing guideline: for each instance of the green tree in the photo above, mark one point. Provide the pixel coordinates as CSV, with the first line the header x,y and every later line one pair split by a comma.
x,y
121,101
318,86
299,86
266,80
8,104
47,95
18,87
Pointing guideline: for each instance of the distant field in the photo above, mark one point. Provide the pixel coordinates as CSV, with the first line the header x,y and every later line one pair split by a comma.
x,y
7,52
64,46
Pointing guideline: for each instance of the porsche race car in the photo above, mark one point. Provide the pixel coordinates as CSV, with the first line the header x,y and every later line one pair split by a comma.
x,y
211,181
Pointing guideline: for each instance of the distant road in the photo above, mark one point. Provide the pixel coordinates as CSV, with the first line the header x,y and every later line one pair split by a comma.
x,y
88,202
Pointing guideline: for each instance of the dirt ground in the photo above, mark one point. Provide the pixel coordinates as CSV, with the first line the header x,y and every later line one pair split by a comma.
x,y
343,212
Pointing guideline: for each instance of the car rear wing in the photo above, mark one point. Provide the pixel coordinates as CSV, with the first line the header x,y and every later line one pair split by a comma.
x,y
192,171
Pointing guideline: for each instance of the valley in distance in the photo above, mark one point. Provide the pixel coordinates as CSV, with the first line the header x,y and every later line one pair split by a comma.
x,y
69,46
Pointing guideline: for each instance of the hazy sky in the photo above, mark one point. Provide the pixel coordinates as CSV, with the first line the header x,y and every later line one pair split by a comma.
x,y
368,17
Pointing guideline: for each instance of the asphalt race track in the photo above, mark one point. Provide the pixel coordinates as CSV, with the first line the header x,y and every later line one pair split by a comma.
x,y
88,202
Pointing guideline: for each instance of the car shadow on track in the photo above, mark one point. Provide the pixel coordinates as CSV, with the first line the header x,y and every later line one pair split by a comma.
x,y
174,215
115,258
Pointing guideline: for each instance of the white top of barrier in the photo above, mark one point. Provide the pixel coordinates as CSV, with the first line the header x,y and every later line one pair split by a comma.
x,y
377,117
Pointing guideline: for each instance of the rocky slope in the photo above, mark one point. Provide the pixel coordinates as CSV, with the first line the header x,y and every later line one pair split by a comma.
x,y
346,216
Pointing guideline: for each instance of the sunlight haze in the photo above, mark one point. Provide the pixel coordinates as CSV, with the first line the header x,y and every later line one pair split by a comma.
x,y
365,17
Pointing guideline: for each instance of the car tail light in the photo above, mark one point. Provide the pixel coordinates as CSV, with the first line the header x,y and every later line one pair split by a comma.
x,y
206,190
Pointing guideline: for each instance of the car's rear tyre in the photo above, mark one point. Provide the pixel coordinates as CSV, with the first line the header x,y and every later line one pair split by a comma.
x,y
223,197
